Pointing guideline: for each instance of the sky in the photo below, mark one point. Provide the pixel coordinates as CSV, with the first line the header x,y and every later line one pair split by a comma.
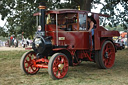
x,y
2,22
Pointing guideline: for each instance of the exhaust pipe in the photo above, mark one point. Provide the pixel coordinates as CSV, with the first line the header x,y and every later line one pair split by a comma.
x,y
42,8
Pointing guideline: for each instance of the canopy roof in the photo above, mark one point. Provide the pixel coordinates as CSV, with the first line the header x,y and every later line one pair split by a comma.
x,y
61,11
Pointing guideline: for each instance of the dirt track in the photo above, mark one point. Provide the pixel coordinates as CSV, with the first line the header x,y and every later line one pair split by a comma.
x,y
11,48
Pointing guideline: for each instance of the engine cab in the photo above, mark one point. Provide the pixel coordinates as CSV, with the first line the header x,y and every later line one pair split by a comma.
x,y
68,28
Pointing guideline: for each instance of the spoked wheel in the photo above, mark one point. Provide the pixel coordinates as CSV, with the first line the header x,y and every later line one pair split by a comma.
x,y
58,66
27,63
105,58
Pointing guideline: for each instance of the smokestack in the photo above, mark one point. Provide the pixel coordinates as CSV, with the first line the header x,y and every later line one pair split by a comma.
x,y
42,8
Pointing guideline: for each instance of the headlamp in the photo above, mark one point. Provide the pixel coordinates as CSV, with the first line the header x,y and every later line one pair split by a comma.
x,y
37,42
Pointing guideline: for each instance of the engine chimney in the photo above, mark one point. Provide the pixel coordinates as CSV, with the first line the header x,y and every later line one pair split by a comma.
x,y
42,8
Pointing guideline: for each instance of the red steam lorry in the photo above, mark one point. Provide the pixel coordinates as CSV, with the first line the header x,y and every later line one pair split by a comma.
x,y
64,41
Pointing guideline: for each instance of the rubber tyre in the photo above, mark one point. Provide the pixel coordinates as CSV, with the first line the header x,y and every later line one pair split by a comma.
x,y
51,63
99,56
22,63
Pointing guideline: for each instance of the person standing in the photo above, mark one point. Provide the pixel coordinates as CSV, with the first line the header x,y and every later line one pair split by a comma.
x,y
11,41
91,27
91,24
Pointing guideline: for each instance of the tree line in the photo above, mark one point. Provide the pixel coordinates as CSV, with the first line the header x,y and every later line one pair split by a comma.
x,y
19,13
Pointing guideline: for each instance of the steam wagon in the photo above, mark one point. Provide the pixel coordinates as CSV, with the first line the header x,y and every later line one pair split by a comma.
x,y
64,41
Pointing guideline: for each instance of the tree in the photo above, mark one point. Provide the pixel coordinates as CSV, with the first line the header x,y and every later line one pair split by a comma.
x,y
19,13
84,4
118,16
2,32
118,28
111,8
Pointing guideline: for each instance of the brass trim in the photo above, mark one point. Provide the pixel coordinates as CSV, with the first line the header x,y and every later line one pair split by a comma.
x,y
42,7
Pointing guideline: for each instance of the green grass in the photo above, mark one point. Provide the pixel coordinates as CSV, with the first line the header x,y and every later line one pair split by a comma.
x,y
11,54
86,73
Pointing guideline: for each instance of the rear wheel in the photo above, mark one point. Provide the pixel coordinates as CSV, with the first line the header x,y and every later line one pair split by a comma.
x,y
27,63
58,66
105,58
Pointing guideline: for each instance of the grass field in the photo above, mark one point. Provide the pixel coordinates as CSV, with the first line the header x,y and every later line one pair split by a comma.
x,y
86,73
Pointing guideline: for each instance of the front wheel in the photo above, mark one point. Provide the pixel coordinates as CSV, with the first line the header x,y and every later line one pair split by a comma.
x,y
58,66
27,63
105,58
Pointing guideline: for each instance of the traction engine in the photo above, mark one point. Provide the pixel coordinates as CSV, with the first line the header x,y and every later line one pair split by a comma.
x,y
64,41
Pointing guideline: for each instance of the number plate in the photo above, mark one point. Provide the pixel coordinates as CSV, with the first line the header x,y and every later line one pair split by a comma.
x,y
61,38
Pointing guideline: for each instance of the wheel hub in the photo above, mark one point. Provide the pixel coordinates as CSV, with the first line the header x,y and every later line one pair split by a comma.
x,y
60,66
31,63
106,55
